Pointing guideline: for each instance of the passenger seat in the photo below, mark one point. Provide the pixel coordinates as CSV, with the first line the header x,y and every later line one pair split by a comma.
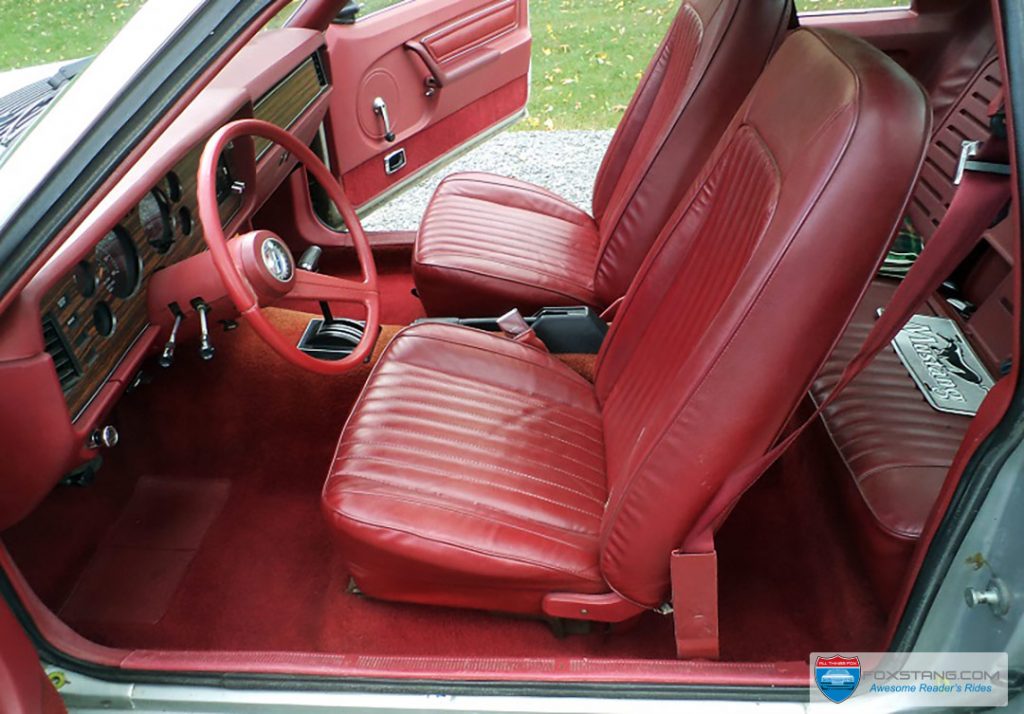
x,y
895,447
487,243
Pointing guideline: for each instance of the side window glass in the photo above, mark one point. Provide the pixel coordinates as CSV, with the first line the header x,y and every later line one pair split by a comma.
x,y
283,15
806,7
372,6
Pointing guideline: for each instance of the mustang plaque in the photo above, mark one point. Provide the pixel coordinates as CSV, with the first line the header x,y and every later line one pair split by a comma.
x,y
943,364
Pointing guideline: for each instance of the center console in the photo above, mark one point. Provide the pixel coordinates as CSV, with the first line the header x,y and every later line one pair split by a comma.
x,y
564,330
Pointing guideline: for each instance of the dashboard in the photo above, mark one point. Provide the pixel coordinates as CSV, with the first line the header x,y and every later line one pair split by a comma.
x,y
97,311
94,314
77,335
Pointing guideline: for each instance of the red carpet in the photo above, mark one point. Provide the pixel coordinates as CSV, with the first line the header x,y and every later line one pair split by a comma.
x,y
214,492
791,579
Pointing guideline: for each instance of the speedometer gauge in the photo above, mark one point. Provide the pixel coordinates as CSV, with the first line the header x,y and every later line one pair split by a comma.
x,y
155,216
117,261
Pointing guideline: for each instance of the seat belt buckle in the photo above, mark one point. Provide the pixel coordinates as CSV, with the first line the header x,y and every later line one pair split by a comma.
x,y
968,150
513,324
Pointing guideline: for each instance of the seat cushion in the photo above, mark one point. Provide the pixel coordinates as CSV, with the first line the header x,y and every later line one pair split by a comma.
x,y
896,448
488,244
478,258
471,472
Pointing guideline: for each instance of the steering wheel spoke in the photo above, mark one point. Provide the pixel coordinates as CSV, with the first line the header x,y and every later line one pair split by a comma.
x,y
264,272
315,287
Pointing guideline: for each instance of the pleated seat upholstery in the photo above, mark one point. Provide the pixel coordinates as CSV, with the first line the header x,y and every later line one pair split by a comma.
x,y
481,472
487,244
481,226
494,450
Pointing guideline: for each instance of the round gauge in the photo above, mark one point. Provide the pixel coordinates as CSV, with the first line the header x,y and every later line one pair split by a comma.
x,y
185,221
103,319
118,266
85,279
155,215
173,187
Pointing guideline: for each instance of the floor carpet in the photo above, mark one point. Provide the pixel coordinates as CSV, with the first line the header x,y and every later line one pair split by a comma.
x,y
203,531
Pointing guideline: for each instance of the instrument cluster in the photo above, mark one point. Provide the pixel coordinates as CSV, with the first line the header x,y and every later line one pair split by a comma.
x,y
95,314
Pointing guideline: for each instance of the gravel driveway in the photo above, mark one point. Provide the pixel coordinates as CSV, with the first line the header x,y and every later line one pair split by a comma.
x,y
565,162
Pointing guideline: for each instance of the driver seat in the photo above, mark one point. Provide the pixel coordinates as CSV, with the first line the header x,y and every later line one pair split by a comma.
x,y
476,471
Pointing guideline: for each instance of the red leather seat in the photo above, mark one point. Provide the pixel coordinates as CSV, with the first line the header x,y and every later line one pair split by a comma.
x,y
488,244
545,245
483,473
472,471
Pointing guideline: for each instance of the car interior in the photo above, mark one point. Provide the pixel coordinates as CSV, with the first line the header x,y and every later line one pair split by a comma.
x,y
526,441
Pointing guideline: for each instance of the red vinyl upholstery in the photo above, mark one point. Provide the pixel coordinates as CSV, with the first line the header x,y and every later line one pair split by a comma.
x,y
487,244
895,448
546,246
732,314
471,471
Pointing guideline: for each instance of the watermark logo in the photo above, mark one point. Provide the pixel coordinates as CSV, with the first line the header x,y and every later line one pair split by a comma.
x,y
837,676
896,681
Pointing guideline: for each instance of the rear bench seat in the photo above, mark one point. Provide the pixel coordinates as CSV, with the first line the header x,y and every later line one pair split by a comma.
x,y
895,447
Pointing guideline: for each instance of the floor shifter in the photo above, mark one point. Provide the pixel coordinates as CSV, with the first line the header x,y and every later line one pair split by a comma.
x,y
331,338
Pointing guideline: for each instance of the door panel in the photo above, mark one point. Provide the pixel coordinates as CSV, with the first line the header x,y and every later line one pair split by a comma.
x,y
447,71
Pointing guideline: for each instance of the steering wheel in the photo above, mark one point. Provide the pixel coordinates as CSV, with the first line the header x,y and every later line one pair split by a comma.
x,y
258,268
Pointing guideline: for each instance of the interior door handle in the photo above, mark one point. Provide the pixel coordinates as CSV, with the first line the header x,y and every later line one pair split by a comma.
x,y
380,108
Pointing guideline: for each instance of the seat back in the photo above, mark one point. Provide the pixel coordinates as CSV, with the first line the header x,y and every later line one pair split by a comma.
x,y
746,291
701,73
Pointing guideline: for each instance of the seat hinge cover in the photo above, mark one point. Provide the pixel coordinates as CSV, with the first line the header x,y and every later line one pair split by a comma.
x,y
695,604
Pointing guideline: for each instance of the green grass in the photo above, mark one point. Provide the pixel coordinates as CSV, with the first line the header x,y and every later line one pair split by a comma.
x,y
588,54
41,31
588,57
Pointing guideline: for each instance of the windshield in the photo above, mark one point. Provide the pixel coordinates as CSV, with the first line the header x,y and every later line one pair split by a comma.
x,y
42,32
44,44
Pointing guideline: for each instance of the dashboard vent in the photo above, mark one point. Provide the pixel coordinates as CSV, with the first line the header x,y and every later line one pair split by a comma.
x,y
318,65
57,346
